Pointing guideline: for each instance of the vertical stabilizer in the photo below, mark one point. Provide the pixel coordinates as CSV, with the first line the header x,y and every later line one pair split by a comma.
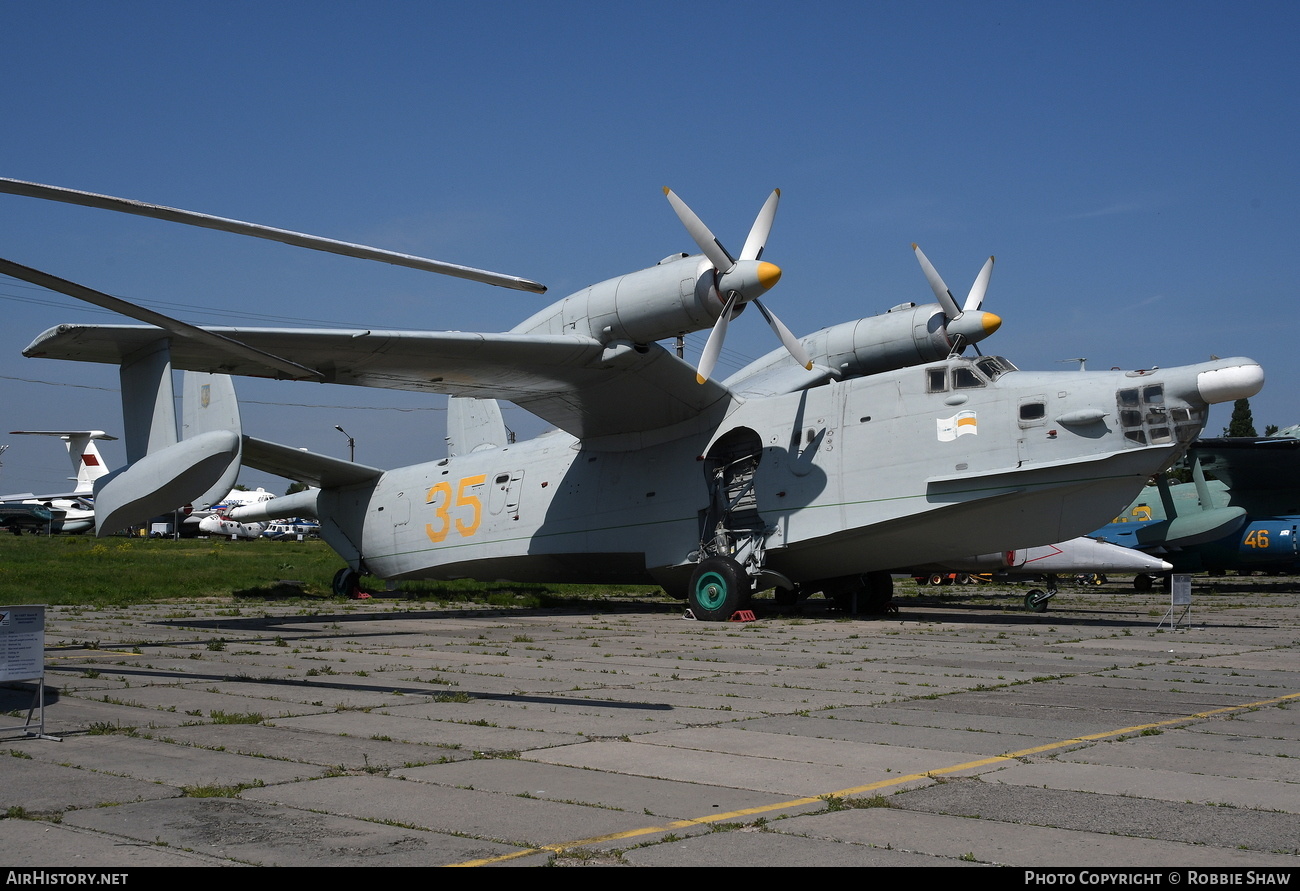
x,y
162,473
87,463
148,401
474,425
208,403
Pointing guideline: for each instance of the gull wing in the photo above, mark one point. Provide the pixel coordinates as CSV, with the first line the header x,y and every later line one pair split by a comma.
x,y
580,385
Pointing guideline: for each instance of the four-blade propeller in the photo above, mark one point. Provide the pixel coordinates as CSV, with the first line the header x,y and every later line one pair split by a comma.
x,y
967,324
738,280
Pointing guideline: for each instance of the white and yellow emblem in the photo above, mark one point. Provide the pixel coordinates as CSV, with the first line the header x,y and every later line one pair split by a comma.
x,y
958,425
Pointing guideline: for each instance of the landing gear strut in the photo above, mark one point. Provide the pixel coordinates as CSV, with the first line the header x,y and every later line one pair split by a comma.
x,y
1036,599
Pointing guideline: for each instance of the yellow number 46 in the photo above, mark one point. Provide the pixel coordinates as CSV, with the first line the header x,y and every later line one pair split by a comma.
x,y
1258,538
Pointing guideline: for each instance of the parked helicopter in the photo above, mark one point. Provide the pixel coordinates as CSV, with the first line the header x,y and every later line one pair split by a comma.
x,y
825,472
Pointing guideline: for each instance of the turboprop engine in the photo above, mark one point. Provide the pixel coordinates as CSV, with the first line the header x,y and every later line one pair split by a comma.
x,y
679,295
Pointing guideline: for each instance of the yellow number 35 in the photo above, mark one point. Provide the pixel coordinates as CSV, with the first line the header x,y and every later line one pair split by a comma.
x,y
440,497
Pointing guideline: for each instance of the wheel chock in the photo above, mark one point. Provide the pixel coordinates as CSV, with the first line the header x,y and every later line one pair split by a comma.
x,y
743,615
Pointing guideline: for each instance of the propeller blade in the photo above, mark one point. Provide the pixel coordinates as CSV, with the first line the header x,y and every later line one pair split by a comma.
x,y
941,292
975,299
255,230
754,244
792,344
708,242
713,346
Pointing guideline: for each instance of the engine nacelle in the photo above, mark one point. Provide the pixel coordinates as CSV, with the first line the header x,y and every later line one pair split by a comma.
x,y
675,297
900,338
905,336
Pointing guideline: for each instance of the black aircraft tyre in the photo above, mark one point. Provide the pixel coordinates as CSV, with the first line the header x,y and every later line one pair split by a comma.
x,y
346,583
719,587
1036,601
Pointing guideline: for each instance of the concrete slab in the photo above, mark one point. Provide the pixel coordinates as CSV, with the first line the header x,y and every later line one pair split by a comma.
x,y
400,733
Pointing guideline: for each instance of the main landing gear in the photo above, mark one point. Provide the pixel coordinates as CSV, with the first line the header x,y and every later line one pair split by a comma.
x,y
719,587
347,584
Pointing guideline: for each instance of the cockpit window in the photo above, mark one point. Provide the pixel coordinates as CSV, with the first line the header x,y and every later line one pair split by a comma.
x,y
1146,419
994,366
936,380
965,379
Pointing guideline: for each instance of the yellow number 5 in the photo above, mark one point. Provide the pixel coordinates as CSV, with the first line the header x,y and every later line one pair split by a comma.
x,y
462,499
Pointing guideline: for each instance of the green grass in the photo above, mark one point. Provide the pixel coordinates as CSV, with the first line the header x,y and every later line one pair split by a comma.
x,y
85,571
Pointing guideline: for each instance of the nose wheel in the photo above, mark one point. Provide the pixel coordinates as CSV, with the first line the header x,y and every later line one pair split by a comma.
x,y
1036,600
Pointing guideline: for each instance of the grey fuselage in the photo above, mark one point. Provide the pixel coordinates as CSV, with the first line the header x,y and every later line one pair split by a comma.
x,y
876,472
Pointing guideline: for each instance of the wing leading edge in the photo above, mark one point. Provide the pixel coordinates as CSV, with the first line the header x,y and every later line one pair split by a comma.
x,y
580,385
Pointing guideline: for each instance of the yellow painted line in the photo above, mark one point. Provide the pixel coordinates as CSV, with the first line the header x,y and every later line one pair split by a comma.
x,y
90,654
560,847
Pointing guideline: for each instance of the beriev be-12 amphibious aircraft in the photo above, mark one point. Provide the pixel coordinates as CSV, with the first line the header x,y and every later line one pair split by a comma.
x,y
880,446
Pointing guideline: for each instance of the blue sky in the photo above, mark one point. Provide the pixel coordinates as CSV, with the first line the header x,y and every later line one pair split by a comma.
x,y
1131,165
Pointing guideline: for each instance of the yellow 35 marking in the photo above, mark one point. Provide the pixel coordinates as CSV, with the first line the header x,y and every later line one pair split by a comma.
x,y
440,497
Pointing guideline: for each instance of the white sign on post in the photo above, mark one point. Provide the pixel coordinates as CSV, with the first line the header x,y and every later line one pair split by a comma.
x,y
22,658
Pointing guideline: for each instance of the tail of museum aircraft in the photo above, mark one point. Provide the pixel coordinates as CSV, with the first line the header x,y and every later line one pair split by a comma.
x,y
87,463
162,469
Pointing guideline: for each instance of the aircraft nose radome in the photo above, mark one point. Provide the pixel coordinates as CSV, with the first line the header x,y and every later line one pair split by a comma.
x,y
1230,383
768,274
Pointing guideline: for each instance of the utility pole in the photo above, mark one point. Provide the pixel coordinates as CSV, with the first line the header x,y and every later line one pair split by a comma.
x,y
352,444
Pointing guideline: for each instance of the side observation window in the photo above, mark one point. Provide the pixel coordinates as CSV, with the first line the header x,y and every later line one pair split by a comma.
x,y
936,380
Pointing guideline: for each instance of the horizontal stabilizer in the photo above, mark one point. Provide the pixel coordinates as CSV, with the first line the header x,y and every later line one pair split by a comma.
x,y
87,463
306,467
163,480
175,327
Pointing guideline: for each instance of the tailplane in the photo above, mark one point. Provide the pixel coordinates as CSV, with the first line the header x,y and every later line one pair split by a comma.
x,y
87,463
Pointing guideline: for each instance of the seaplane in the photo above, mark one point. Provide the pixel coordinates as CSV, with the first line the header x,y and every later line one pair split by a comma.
x,y
868,446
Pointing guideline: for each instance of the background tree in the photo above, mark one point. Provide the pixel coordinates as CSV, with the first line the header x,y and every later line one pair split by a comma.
x,y
1242,423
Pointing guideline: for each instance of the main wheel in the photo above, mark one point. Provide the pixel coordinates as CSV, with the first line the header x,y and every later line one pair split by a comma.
x,y
719,587
347,583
